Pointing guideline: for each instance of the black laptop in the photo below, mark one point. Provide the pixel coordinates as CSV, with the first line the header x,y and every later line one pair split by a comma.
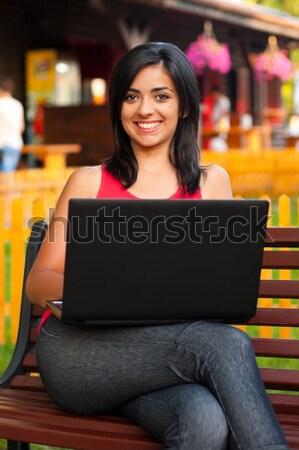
x,y
142,262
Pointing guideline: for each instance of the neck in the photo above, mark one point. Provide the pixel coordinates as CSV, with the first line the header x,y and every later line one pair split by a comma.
x,y
153,160
154,163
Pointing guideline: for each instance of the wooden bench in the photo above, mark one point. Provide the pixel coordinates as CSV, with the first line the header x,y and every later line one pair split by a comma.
x,y
28,415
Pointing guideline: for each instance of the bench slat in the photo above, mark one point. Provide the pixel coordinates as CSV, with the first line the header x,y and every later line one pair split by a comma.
x,y
51,415
33,335
279,348
30,363
281,379
26,395
289,420
285,404
276,316
28,431
279,288
282,259
292,437
27,382
283,237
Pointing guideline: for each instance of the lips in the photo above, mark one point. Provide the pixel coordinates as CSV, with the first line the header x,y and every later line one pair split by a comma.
x,y
147,125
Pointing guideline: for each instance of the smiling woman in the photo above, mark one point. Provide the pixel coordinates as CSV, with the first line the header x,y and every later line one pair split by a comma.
x,y
146,88
150,111
192,386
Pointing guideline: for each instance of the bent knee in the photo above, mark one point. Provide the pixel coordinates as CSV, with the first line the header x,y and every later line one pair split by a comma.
x,y
237,339
206,417
201,420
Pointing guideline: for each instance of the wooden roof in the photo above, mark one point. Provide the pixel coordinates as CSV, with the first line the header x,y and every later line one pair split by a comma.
x,y
234,12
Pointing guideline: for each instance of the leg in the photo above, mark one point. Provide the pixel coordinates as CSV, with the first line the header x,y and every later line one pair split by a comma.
x,y
89,371
184,417
222,358
9,160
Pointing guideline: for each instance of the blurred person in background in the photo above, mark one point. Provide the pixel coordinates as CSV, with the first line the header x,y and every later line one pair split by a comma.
x,y
220,117
12,124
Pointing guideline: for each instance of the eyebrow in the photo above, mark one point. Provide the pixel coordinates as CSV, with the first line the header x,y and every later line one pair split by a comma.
x,y
157,89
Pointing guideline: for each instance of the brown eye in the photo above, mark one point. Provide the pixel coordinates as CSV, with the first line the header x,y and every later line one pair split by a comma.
x,y
130,97
162,97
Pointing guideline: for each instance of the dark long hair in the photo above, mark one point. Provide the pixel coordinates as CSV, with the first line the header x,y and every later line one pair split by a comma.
x,y
185,156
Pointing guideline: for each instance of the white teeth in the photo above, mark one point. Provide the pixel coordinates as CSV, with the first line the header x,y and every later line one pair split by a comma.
x,y
148,125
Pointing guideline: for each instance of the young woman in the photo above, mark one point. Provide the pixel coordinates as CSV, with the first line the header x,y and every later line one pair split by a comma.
x,y
192,386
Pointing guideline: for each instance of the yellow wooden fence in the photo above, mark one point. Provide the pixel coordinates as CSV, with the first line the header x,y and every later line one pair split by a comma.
x,y
252,173
30,184
14,255
284,220
15,237
264,171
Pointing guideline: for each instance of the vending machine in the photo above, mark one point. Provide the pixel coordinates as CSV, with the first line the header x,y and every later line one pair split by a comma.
x,y
52,78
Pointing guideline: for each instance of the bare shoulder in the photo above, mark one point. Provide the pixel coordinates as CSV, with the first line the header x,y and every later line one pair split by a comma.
x,y
215,183
85,181
216,173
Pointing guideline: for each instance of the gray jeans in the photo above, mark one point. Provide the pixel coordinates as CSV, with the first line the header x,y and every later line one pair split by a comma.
x,y
192,386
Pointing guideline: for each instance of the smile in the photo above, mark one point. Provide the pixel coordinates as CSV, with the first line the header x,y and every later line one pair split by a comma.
x,y
147,125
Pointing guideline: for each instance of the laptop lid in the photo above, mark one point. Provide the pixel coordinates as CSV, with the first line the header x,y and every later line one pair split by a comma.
x,y
155,261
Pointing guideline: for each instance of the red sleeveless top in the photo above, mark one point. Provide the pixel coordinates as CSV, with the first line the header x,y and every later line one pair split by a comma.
x,y
112,188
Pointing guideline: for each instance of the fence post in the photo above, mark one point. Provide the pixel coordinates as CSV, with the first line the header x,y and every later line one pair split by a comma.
x,y
284,220
266,332
17,264
38,209
2,278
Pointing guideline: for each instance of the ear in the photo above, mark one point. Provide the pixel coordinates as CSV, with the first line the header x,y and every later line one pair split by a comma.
x,y
184,115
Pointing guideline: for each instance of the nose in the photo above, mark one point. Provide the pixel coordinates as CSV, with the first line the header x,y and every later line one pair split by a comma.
x,y
146,107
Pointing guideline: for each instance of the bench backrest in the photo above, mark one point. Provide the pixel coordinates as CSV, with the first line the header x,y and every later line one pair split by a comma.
x,y
22,372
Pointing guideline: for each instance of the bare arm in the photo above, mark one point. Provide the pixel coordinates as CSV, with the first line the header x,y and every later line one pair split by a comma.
x,y
45,280
216,184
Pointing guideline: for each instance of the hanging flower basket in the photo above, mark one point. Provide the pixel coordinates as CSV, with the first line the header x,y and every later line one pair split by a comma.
x,y
273,62
208,52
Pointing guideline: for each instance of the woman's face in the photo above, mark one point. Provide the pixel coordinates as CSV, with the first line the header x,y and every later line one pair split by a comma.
x,y
150,110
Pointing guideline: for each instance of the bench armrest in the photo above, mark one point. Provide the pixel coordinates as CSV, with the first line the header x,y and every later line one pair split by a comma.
x,y
15,367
